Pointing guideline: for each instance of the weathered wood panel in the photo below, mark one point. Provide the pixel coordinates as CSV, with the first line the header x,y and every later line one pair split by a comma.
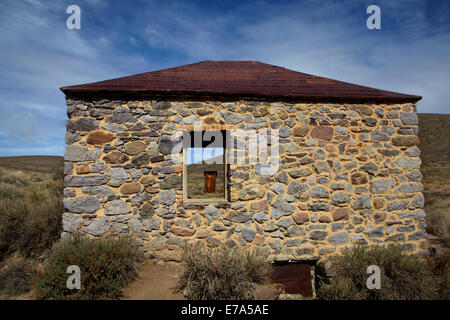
x,y
295,278
210,181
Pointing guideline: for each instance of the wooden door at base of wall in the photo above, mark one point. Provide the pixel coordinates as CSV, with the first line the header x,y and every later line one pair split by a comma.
x,y
295,278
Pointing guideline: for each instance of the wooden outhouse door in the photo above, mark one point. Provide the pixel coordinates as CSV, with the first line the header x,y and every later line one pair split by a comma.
x,y
210,181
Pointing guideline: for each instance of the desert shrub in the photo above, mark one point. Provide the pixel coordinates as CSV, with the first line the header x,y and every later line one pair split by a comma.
x,y
15,177
16,276
30,217
437,207
440,266
403,276
106,266
10,191
29,225
438,224
223,273
58,175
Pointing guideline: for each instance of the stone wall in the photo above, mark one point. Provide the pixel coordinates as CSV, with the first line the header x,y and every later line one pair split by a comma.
x,y
348,174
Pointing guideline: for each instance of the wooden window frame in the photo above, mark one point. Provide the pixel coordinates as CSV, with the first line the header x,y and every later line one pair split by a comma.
x,y
215,200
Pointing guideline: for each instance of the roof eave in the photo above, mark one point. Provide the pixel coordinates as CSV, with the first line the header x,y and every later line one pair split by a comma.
x,y
140,93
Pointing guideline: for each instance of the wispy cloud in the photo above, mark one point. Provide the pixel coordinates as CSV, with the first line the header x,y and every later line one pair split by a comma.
x,y
328,38
409,54
39,55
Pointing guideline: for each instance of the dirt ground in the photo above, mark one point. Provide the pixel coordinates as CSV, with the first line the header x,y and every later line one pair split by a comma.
x,y
156,281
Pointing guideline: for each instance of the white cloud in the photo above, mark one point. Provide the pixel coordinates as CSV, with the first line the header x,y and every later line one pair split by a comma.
x,y
39,55
408,54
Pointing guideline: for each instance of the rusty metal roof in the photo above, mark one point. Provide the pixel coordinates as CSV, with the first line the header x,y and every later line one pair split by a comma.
x,y
236,79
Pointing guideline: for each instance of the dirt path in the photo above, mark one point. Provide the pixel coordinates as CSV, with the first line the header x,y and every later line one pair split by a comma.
x,y
155,282
158,281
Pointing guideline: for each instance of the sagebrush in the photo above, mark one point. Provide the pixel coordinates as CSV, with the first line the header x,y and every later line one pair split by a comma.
x,y
222,273
106,265
30,213
16,276
437,206
403,277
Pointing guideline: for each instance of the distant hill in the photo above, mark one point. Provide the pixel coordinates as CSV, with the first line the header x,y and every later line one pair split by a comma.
x,y
434,134
33,163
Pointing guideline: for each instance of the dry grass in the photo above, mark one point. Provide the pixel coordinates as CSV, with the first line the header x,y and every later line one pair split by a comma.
x,y
14,177
437,207
30,212
45,164
436,174
434,134
30,224
17,275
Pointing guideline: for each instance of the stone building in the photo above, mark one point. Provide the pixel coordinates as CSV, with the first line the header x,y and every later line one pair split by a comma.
x,y
338,163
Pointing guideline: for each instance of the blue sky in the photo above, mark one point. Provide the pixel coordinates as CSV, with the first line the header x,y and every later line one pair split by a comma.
x,y
195,155
410,54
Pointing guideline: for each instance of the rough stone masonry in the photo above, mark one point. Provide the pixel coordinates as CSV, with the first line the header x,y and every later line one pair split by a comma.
x,y
349,174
